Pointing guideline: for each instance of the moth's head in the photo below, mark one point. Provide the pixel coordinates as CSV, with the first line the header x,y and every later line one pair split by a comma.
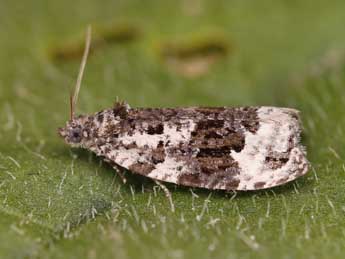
x,y
76,132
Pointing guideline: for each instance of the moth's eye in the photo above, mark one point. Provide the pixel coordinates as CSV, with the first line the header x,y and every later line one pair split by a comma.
x,y
75,135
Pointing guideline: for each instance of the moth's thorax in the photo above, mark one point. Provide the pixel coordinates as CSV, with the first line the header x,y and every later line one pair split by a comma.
x,y
105,124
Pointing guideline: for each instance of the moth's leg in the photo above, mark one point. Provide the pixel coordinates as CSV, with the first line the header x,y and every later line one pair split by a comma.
x,y
120,171
167,194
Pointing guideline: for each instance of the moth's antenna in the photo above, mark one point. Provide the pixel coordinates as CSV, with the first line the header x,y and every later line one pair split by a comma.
x,y
74,97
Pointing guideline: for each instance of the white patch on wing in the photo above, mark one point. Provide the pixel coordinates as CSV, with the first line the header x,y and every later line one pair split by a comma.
x,y
125,158
278,126
168,170
170,133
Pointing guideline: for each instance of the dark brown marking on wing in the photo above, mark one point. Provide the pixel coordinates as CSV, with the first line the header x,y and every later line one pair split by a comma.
x,y
250,119
142,168
207,124
276,162
155,129
214,152
211,165
224,142
259,185
158,154
210,135
211,179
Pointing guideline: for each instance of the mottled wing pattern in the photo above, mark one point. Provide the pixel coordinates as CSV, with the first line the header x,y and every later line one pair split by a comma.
x,y
216,148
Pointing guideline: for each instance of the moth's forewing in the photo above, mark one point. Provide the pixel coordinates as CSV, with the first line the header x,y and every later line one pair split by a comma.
x,y
244,148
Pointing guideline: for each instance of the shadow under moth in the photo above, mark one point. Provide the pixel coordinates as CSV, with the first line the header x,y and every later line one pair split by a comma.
x,y
245,148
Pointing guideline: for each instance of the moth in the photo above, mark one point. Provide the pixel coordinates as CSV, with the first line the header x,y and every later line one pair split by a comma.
x,y
244,148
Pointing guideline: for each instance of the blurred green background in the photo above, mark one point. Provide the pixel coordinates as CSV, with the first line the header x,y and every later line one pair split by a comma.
x,y
56,202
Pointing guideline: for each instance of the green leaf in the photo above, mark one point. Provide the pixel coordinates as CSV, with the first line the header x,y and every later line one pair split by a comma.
x,y
58,202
